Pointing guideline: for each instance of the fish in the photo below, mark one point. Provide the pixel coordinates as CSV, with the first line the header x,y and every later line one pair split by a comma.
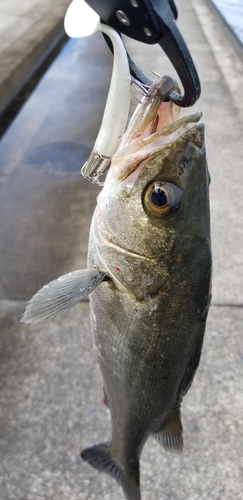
x,y
149,281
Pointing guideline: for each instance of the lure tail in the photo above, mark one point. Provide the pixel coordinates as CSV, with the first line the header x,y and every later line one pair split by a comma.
x,y
100,458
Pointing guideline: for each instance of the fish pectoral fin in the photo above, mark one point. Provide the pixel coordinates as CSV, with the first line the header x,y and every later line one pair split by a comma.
x,y
170,436
61,294
100,458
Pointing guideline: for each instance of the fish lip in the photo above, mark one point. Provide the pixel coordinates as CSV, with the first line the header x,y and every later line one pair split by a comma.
x,y
148,114
176,125
132,158
154,113
153,126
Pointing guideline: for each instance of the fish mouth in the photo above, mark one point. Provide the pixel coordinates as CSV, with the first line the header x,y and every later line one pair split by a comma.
x,y
154,124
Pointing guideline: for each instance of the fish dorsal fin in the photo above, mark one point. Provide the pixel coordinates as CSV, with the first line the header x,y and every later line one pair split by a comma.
x,y
61,294
170,436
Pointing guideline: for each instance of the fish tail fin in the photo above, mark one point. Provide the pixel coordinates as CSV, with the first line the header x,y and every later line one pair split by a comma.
x,y
100,458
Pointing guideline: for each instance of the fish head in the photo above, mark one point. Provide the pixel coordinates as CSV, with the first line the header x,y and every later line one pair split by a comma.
x,y
153,212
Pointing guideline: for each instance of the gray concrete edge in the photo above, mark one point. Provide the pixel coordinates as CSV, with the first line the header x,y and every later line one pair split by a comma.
x,y
29,62
233,39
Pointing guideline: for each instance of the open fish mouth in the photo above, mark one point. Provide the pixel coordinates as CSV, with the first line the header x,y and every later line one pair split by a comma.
x,y
154,124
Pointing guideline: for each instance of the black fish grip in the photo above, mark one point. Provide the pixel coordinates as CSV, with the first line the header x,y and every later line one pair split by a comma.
x,y
151,22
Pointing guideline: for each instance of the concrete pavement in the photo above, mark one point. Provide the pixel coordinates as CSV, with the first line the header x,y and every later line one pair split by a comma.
x,y
50,387
29,30
51,407
231,13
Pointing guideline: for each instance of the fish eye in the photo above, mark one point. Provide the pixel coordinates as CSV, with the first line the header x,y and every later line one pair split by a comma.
x,y
159,197
162,198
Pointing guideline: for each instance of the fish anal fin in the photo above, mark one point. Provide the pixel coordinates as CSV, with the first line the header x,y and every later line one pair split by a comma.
x,y
62,294
170,436
100,458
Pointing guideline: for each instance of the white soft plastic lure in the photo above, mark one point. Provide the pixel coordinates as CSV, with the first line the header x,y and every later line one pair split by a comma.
x,y
81,21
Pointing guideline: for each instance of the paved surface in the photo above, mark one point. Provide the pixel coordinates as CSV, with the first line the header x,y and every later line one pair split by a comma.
x,y
41,189
28,31
232,14
50,388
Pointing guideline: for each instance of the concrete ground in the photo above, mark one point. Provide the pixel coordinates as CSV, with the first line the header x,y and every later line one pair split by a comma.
x,y
50,387
29,30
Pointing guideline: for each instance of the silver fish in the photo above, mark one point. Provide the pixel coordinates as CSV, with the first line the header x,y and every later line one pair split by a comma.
x,y
149,271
